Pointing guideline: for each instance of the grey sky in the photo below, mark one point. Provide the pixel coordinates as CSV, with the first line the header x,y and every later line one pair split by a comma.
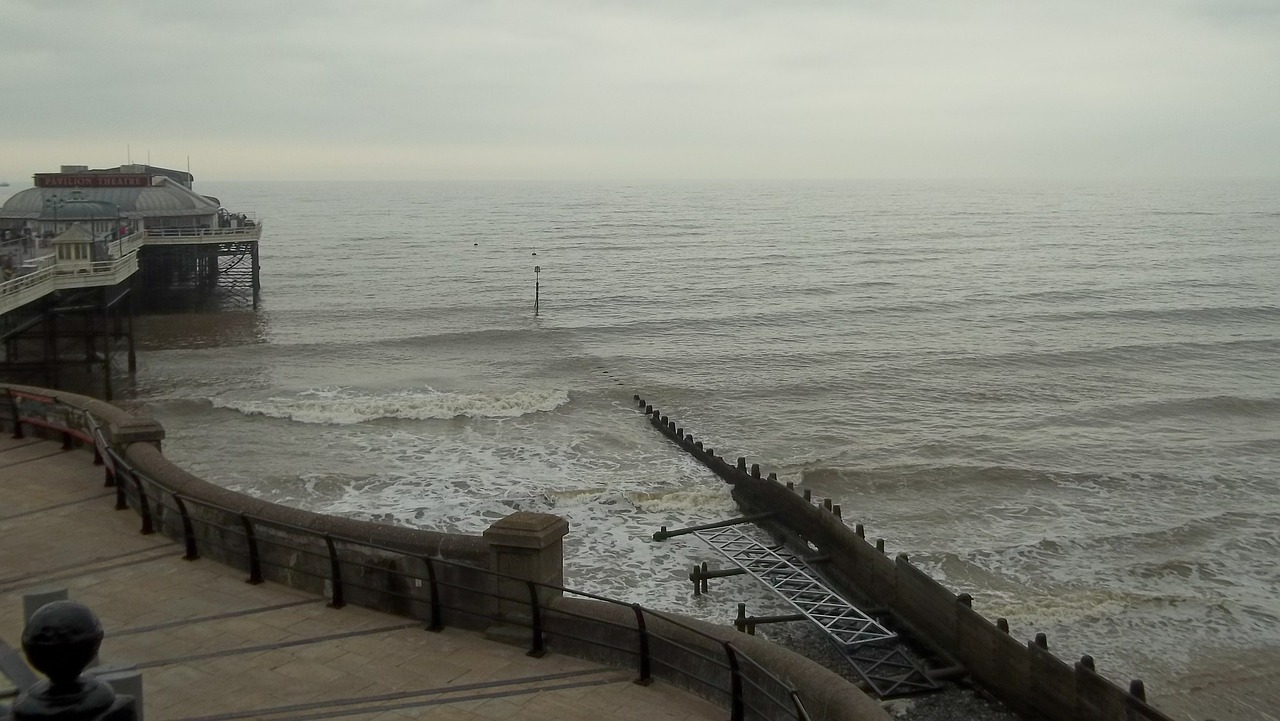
x,y
412,89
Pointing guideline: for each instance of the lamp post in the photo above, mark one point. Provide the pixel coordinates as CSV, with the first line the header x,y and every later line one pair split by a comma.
x,y
54,203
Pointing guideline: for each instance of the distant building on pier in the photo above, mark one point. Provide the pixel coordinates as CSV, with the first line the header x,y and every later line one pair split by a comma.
x,y
81,241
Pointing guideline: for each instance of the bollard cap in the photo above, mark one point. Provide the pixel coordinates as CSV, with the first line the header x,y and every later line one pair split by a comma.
x,y
61,639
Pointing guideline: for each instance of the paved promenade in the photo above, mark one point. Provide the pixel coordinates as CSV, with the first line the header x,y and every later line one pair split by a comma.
x,y
213,647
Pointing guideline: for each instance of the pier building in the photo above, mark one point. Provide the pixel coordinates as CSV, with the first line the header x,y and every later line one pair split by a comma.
x,y
83,249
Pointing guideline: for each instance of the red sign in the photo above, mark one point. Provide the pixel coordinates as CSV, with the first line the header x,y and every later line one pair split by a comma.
x,y
92,180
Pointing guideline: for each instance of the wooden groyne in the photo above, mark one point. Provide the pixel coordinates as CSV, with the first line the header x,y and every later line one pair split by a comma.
x,y
1026,677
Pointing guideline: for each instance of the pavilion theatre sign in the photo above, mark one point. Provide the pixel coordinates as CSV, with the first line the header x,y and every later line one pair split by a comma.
x,y
92,180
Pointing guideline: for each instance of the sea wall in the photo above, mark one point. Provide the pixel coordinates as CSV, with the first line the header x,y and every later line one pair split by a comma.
x,y
291,545
507,581
1025,676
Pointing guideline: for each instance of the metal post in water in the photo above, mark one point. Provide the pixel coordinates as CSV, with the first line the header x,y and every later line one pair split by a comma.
x,y
536,270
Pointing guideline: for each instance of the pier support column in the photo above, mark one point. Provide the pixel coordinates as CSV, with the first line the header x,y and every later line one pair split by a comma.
x,y
133,357
529,547
106,343
255,268
51,351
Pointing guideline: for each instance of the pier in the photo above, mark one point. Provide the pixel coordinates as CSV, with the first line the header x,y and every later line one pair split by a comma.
x,y
83,251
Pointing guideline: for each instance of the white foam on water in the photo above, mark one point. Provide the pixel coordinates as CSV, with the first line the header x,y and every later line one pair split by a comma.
x,y
615,482
346,406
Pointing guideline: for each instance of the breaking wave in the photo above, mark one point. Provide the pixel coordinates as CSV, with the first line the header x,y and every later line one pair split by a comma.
x,y
345,406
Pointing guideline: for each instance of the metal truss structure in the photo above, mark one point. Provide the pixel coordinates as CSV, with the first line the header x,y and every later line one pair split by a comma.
x,y
874,651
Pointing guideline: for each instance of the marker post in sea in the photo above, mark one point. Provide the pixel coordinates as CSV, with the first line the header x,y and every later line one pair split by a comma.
x,y
536,270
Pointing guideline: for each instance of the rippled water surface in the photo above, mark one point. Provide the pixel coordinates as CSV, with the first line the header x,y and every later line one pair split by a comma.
x,y
1061,398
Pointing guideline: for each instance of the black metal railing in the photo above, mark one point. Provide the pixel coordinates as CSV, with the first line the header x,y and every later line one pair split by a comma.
x,y
657,644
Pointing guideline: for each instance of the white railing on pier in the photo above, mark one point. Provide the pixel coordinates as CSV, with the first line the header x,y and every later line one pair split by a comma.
x,y
39,262
24,289
126,245
196,236
47,278
41,275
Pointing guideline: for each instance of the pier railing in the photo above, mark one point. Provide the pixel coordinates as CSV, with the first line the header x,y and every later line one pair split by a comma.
x,y
33,286
43,275
440,579
200,235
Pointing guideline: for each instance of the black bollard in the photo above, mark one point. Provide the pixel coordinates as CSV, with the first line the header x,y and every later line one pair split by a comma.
x,y
1138,690
880,545
826,503
693,576
60,640
1002,623
790,486
965,599
808,496
697,444
858,529
680,433
836,510
1087,661
773,477
755,470
648,410
1042,641
742,464
706,585
740,622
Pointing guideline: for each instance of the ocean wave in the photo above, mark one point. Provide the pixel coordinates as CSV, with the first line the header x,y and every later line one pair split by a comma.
x,y
821,475
345,406
1198,407
1200,315
1116,354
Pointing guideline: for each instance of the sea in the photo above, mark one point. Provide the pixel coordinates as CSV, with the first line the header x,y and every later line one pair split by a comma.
x,y
1061,397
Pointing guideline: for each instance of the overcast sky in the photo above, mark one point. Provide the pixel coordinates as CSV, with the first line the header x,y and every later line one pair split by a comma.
x,y
415,89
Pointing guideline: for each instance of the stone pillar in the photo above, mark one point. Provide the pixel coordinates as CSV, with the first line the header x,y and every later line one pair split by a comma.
x,y
135,430
527,546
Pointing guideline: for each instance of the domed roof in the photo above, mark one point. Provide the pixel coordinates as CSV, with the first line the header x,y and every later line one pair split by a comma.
x,y
81,210
162,199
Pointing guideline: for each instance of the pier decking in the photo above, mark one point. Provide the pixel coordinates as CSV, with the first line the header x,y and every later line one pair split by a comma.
x,y
210,646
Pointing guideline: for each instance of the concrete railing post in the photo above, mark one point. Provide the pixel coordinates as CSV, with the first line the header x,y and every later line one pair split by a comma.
x,y
529,547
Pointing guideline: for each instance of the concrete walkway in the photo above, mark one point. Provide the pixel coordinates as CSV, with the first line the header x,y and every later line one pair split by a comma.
x,y
211,646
